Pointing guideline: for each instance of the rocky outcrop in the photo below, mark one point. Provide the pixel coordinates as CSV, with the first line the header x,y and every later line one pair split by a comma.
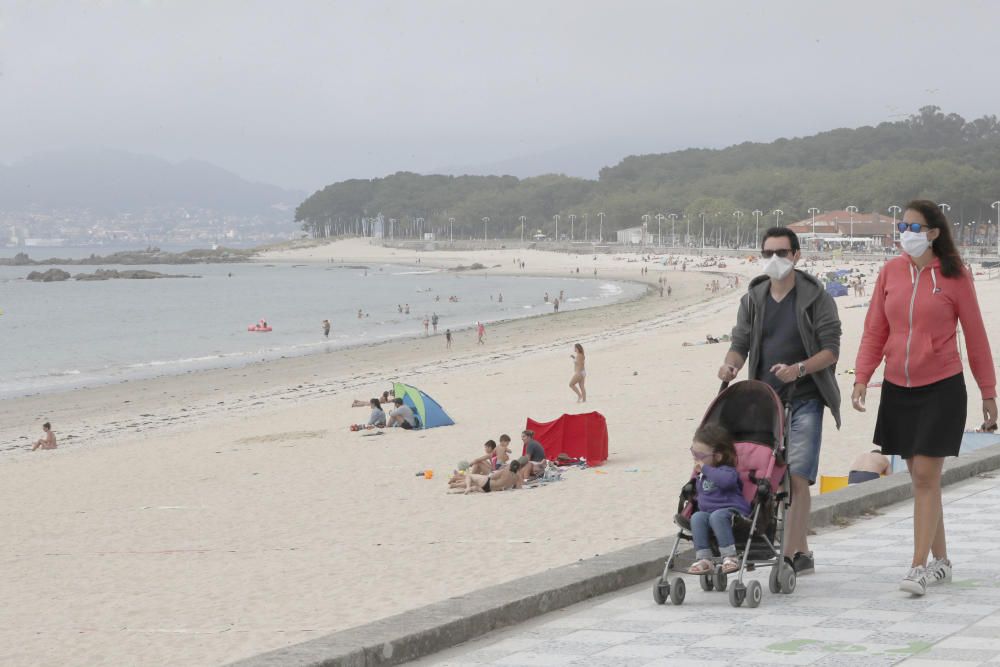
x,y
56,275
50,276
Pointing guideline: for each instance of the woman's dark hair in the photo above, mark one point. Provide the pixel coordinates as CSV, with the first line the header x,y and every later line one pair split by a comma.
x,y
490,444
943,245
720,440
375,404
777,232
579,348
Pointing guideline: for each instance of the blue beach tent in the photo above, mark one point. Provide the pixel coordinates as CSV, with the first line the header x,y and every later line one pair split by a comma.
x,y
836,289
428,411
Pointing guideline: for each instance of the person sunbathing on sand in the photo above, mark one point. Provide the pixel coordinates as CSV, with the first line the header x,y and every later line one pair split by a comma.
x,y
501,480
48,441
386,398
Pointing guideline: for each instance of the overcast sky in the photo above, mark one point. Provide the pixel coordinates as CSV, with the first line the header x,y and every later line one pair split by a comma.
x,y
302,94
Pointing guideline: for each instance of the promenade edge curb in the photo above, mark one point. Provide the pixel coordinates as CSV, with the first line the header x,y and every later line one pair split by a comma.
x,y
420,632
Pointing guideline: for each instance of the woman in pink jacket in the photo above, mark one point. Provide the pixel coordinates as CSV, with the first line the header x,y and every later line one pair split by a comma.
x,y
918,301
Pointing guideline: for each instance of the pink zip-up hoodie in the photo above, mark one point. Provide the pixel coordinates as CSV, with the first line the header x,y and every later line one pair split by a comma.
x,y
912,322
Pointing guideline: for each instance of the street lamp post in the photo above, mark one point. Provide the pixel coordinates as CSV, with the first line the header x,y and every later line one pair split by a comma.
x,y
572,221
687,241
852,210
522,219
894,210
392,229
600,228
756,217
451,230
556,218
738,214
586,228
996,205
486,237
702,230
777,216
814,211
659,229
645,227
673,229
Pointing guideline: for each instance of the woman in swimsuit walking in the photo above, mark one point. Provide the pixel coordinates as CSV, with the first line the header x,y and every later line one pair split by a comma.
x,y
578,382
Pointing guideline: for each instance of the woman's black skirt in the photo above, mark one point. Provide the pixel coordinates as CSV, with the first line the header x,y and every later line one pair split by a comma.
x,y
928,420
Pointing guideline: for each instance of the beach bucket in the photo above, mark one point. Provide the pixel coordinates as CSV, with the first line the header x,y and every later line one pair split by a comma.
x,y
828,483
428,474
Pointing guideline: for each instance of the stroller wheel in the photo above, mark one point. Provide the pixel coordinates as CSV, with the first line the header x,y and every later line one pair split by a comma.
x,y
754,594
677,592
786,579
772,581
661,590
720,580
707,582
736,594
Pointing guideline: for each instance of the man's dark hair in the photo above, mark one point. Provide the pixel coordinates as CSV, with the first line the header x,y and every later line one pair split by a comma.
x,y
777,232
46,425
397,401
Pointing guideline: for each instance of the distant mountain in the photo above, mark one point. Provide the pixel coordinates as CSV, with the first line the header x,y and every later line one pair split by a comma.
x,y
112,181
583,160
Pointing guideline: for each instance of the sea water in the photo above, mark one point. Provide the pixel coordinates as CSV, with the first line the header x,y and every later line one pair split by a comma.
x,y
64,335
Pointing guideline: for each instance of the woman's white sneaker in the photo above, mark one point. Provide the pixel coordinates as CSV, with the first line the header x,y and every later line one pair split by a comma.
x,y
939,571
915,581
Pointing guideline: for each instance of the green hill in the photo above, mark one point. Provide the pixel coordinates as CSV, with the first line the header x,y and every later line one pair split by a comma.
x,y
929,155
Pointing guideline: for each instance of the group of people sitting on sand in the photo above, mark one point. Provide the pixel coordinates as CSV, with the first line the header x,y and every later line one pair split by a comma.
x,y
399,414
495,471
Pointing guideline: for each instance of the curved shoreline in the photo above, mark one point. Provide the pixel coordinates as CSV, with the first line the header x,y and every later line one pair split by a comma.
x,y
268,384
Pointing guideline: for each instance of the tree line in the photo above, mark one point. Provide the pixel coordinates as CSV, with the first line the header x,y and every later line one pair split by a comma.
x,y
929,155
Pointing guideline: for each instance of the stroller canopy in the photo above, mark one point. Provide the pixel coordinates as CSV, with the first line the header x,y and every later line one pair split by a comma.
x,y
428,411
751,411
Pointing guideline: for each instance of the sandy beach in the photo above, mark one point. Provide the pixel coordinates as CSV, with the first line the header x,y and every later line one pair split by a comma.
x,y
202,518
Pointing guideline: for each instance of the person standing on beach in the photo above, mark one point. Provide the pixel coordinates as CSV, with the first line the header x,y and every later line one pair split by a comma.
x,y
578,382
434,322
912,323
47,441
555,305
789,331
326,328
500,298
447,339
427,324
406,309
480,332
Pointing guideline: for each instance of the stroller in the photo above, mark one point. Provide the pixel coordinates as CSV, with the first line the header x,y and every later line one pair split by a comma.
x,y
753,413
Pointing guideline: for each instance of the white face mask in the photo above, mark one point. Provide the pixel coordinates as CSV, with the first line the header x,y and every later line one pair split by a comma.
x,y
914,244
777,267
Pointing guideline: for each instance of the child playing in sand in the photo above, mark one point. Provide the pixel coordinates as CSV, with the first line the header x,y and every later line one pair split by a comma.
x,y
48,441
719,493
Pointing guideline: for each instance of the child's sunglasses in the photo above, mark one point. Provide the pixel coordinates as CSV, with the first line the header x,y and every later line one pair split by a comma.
x,y
910,226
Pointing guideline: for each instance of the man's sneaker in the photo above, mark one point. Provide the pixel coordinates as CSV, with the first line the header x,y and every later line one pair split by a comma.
x,y
939,572
915,581
803,563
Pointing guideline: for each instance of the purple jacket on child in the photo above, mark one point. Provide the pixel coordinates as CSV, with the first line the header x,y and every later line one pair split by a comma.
x,y
720,488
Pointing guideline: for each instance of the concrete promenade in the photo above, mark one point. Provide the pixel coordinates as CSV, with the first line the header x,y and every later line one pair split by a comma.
x,y
850,612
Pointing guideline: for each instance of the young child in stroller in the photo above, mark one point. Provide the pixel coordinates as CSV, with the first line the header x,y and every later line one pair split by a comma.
x,y
720,494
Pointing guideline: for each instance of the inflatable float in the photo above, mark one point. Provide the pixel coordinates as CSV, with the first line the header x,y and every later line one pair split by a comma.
x,y
258,328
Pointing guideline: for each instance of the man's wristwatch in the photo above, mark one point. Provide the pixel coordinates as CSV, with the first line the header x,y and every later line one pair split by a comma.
x,y
802,369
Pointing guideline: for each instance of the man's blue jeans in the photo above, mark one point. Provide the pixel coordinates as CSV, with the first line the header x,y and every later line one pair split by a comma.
x,y
720,522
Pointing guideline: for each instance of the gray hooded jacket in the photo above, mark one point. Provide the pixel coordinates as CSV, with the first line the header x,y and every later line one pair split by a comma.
x,y
819,326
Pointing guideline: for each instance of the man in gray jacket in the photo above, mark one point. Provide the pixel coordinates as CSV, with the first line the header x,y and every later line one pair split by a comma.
x,y
788,330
